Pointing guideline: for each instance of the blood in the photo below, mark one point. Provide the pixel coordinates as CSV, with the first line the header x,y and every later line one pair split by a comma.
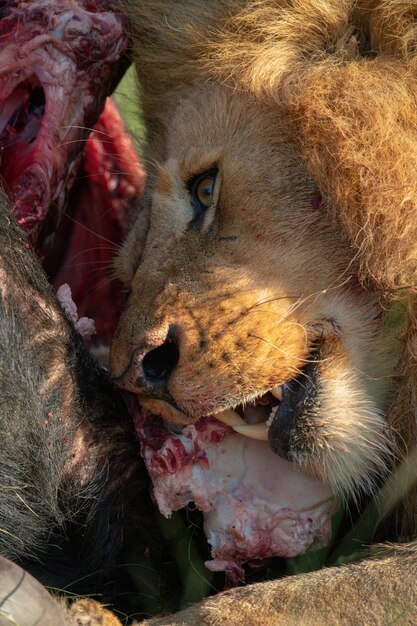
x,y
110,181
54,82
168,451
27,107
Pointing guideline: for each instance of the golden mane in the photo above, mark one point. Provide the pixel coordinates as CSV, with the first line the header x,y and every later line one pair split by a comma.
x,y
345,74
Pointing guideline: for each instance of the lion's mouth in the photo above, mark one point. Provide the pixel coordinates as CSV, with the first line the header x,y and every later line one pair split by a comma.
x,y
275,416
253,419
255,503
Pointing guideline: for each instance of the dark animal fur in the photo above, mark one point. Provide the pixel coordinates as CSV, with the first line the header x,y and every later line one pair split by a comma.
x,y
60,517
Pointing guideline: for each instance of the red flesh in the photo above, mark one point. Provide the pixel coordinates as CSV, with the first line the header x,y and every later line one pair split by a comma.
x,y
109,183
59,59
58,62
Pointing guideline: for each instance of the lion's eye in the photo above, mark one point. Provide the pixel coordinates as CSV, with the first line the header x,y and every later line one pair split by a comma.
x,y
204,191
201,189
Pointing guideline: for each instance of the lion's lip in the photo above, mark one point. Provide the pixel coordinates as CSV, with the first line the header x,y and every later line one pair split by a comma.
x,y
299,403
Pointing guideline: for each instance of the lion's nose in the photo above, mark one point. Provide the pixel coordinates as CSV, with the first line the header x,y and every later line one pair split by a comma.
x,y
159,363
151,363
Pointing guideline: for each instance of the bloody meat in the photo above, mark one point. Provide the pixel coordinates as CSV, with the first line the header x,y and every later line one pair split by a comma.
x,y
255,504
106,191
59,60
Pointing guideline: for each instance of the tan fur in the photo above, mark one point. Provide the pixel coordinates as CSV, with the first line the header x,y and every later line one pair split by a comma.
x,y
340,596
284,96
89,613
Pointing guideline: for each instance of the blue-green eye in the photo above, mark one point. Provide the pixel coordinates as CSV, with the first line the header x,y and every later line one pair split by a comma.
x,y
201,189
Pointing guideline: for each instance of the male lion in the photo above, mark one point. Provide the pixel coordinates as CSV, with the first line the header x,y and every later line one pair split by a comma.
x,y
279,224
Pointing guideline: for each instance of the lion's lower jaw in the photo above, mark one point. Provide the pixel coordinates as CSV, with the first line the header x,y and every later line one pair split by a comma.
x,y
347,446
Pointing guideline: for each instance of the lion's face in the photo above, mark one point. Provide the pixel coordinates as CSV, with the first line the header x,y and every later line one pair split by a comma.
x,y
240,284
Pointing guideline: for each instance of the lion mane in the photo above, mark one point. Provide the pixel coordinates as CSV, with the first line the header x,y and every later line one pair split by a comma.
x,y
345,73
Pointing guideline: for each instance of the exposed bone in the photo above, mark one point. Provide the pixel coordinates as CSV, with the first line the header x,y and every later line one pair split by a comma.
x,y
248,512
230,418
253,431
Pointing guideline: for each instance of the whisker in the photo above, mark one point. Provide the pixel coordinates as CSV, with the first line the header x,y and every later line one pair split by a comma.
x,y
93,264
115,248
80,127
111,171
271,299
87,229
293,356
97,286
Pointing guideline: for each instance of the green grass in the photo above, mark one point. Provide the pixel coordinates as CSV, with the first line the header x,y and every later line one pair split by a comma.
x,y
128,99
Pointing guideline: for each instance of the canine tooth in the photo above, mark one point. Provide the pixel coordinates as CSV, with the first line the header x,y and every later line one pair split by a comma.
x,y
253,431
230,418
277,392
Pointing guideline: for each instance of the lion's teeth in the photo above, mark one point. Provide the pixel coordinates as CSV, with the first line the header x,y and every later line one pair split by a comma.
x,y
230,418
277,392
253,431
270,418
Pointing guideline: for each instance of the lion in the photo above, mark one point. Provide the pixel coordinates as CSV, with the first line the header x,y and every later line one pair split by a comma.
x,y
276,236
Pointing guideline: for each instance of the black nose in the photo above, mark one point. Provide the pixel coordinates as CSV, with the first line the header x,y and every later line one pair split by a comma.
x,y
159,363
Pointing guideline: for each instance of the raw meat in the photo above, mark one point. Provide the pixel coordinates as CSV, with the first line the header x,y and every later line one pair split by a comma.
x,y
109,184
85,326
59,59
255,504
